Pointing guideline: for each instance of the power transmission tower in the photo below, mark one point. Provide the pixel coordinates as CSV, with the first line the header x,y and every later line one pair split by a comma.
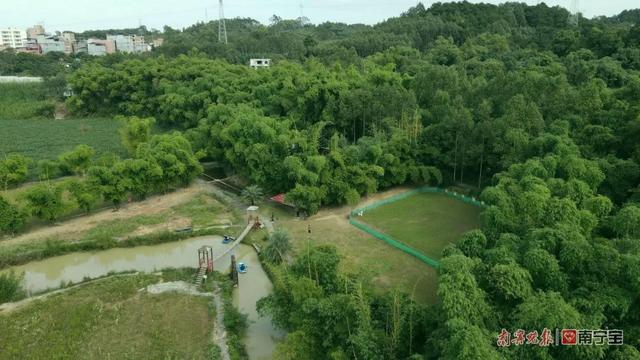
x,y
222,27
574,10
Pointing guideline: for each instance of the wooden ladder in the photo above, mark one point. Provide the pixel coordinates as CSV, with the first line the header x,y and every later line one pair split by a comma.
x,y
201,272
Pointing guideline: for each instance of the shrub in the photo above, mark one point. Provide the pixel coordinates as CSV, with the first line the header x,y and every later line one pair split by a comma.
x,y
11,287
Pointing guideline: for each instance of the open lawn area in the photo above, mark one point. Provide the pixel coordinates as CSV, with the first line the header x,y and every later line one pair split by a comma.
x,y
109,319
47,138
387,268
427,222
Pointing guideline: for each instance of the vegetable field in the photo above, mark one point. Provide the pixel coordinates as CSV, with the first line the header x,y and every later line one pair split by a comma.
x,y
46,138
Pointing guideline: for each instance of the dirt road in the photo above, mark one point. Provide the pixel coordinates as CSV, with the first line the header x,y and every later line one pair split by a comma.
x,y
73,228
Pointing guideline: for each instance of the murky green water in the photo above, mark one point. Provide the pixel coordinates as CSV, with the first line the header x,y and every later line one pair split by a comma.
x,y
252,286
261,336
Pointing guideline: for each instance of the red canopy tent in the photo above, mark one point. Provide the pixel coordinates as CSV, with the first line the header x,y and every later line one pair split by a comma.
x,y
279,198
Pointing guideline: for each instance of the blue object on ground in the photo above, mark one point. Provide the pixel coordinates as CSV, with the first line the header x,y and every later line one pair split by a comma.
x,y
242,268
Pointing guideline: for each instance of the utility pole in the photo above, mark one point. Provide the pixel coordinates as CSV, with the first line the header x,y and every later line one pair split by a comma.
x,y
574,16
222,27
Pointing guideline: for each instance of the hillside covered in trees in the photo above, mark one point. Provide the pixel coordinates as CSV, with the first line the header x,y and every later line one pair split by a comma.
x,y
538,115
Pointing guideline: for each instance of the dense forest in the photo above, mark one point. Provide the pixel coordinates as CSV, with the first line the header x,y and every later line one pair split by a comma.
x,y
531,109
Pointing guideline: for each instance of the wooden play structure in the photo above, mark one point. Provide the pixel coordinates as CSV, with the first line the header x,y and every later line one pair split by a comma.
x,y
253,217
234,271
205,263
205,253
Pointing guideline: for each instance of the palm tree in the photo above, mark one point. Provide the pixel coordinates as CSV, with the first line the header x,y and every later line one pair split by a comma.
x,y
252,194
278,246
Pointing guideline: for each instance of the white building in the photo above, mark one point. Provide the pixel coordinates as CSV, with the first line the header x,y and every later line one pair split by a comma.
x,y
13,38
259,63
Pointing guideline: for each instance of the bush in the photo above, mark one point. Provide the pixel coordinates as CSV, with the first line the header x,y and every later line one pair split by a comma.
x,y
13,170
12,219
278,246
11,287
45,201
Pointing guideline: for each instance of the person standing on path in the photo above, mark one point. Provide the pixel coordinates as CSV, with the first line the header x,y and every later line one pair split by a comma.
x,y
309,228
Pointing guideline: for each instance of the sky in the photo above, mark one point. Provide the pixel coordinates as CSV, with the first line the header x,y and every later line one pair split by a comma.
x,y
79,15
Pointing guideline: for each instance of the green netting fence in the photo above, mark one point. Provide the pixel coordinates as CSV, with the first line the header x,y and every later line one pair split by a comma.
x,y
396,243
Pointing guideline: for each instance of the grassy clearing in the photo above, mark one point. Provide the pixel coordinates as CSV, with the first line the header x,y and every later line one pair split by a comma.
x,y
41,139
109,319
386,268
200,210
427,222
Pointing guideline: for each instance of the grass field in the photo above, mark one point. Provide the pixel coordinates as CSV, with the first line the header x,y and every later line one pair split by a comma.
x,y
384,267
427,222
47,138
110,319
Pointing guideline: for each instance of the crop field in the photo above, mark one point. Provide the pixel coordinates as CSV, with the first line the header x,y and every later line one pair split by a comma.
x,y
109,319
42,139
427,222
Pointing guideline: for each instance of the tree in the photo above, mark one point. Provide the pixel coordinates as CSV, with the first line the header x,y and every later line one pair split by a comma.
x,y
307,198
139,176
459,291
296,346
473,243
278,247
12,219
76,161
529,316
320,264
45,201
173,154
134,131
510,282
252,193
48,169
544,269
112,187
85,194
627,221
13,170
467,342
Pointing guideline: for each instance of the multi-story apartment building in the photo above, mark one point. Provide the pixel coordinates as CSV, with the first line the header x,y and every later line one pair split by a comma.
x,y
31,47
13,38
69,40
50,43
99,47
129,43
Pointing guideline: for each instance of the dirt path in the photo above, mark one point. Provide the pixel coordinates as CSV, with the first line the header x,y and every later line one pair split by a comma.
x,y
219,331
73,228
